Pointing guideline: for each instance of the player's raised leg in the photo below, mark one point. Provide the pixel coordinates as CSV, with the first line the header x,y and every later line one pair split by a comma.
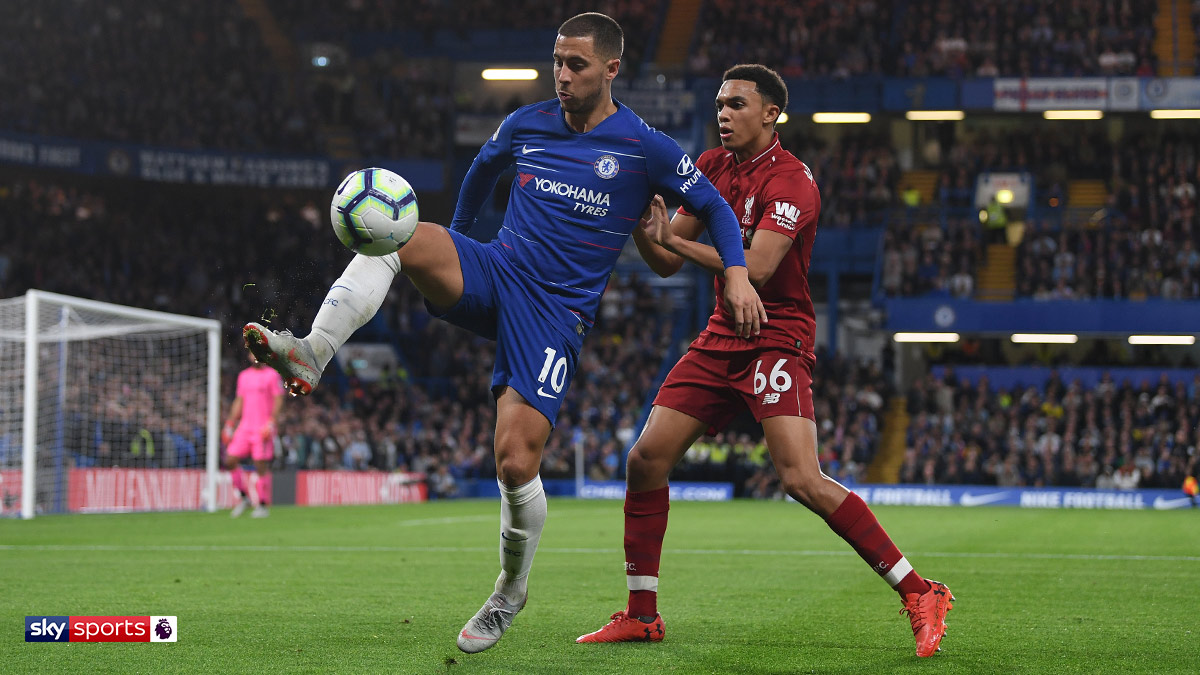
x,y
429,259
667,436
792,442
521,433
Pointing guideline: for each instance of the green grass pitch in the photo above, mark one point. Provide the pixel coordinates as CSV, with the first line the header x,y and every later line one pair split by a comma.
x,y
746,587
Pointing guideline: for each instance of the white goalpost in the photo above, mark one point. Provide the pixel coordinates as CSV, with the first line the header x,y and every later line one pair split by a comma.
x,y
106,408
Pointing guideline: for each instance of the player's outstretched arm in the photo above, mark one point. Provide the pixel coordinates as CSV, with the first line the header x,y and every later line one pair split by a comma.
x,y
677,240
651,231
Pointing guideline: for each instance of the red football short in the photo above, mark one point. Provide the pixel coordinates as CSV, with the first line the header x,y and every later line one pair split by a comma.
x,y
719,372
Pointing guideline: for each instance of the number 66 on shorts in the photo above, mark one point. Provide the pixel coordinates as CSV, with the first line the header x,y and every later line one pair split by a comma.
x,y
720,374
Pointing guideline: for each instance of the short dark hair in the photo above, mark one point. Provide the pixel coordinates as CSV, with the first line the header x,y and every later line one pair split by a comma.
x,y
606,33
767,82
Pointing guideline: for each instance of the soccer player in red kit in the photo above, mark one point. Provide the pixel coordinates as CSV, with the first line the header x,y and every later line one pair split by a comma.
x,y
777,200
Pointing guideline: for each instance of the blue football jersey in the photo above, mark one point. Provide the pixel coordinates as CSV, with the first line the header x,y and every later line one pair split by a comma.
x,y
577,197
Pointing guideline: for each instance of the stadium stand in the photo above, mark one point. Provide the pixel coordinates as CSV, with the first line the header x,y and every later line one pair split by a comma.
x,y
87,67
1107,433
926,38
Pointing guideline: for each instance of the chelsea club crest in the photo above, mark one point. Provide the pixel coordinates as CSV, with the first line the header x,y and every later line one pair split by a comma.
x,y
606,166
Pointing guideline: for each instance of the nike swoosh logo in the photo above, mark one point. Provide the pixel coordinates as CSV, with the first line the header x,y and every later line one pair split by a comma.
x,y
542,393
295,359
969,499
525,150
472,637
1160,503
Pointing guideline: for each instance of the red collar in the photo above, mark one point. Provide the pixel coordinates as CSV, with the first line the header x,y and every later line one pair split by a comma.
x,y
752,163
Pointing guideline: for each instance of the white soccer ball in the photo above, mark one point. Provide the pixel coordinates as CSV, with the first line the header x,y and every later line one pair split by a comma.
x,y
374,212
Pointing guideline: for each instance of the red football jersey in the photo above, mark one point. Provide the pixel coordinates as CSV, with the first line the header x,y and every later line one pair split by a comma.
x,y
773,191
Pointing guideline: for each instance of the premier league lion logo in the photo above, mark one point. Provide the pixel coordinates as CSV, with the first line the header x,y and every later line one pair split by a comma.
x,y
163,629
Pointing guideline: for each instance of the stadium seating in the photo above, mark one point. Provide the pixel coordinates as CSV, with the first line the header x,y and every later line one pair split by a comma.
x,y
87,70
1139,243
1111,433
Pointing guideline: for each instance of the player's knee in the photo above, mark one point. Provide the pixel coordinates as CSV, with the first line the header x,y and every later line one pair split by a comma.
x,y
798,487
644,469
517,463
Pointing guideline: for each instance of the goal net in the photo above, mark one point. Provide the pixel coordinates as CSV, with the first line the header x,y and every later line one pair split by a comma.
x,y
105,408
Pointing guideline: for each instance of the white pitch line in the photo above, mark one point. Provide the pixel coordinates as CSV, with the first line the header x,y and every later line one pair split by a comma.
x,y
584,551
448,520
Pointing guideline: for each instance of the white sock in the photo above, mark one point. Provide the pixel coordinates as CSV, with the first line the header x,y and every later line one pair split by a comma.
x,y
351,302
522,516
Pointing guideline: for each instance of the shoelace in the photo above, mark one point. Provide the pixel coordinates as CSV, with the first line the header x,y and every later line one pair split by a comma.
x,y
495,619
913,610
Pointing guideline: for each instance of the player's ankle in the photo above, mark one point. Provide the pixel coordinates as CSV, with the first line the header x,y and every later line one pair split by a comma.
x,y
321,346
647,619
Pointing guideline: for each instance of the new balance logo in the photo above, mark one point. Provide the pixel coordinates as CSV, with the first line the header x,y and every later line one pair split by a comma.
x,y
772,397
525,150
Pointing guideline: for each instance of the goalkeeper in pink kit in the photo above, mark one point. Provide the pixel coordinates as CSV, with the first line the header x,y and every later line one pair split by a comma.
x,y
259,397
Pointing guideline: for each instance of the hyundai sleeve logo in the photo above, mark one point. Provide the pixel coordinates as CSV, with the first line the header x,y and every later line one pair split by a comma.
x,y
685,167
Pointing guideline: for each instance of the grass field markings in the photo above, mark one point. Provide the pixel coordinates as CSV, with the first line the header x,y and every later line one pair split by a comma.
x,y
585,551
448,520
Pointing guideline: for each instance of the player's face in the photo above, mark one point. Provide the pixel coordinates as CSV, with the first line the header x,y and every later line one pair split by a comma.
x,y
743,117
580,76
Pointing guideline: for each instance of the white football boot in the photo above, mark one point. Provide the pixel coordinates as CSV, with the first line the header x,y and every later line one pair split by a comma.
x,y
287,354
489,623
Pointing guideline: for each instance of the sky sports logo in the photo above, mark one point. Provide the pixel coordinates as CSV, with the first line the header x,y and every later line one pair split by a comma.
x,y
101,629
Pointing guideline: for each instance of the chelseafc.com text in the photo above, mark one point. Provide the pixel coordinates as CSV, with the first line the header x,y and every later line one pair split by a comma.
x,y
101,629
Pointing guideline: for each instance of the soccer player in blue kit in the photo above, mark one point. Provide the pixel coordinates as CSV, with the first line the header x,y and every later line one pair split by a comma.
x,y
587,168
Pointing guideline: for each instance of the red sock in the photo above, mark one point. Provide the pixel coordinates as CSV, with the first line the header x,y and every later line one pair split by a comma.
x,y
263,488
854,522
239,481
645,526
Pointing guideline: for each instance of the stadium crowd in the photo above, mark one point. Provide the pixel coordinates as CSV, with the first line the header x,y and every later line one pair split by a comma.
x,y
924,38
1042,38
1140,244
1113,435
86,69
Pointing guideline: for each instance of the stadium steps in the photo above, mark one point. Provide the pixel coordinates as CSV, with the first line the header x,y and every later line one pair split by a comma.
x,y
678,29
1174,39
996,280
885,468
282,49
1089,193
924,180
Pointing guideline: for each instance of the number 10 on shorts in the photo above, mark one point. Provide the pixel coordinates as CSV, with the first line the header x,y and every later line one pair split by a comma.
x,y
558,376
779,379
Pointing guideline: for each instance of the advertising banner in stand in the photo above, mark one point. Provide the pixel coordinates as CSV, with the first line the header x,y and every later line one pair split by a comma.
x,y
1024,497
193,167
